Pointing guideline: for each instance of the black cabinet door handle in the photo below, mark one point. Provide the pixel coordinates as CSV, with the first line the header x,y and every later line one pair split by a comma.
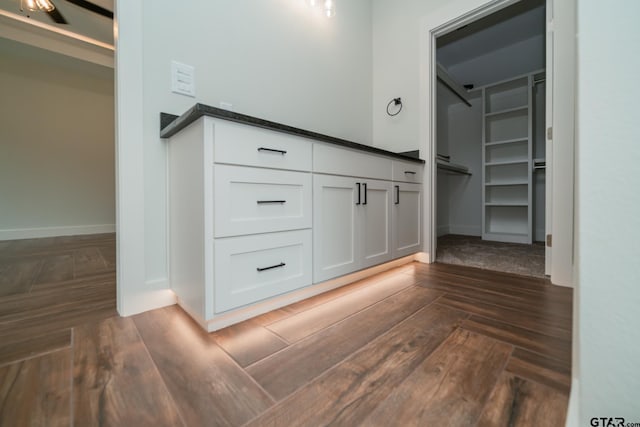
x,y
410,172
358,184
282,264
272,150
397,195
271,202
365,193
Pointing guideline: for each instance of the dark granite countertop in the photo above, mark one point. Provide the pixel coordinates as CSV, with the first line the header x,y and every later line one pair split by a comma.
x,y
171,124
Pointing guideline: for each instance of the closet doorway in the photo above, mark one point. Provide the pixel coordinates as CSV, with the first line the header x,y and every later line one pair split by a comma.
x,y
490,150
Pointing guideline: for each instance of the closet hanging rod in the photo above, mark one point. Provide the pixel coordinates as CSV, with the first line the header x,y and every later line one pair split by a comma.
x,y
451,84
531,73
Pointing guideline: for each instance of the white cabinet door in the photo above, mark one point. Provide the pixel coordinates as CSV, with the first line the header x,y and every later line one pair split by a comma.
x,y
375,222
407,215
334,226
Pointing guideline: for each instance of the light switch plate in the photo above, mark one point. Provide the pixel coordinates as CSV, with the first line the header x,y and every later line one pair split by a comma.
x,y
183,79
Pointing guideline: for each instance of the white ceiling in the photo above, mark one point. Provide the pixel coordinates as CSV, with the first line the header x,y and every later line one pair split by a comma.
x,y
511,25
81,21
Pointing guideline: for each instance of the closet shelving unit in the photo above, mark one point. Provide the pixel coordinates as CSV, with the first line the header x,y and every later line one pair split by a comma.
x,y
507,160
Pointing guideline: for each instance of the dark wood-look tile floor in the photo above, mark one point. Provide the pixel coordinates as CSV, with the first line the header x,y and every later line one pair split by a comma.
x,y
417,345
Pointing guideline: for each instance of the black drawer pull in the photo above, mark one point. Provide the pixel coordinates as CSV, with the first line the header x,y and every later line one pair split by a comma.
x,y
272,150
365,193
358,184
410,172
271,202
282,264
397,202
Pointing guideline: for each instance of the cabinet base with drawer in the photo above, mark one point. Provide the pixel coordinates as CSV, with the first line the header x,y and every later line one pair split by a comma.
x,y
253,212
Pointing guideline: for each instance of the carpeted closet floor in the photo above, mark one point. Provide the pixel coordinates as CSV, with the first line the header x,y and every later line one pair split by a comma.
x,y
470,251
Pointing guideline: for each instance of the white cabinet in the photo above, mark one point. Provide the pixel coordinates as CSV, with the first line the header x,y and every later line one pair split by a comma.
x,y
407,219
256,214
229,224
351,225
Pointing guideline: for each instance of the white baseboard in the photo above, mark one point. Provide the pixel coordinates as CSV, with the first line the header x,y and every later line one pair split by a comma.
x,y
158,284
443,230
466,230
573,412
151,300
423,257
36,233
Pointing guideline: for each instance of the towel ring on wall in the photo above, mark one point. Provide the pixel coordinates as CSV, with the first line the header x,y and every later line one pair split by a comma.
x,y
394,101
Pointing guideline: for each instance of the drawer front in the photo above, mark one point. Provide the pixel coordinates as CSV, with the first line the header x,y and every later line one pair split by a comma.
x,y
340,161
244,145
252,268
251,200
407,171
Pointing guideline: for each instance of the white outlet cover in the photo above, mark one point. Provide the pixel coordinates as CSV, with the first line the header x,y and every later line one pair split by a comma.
x,y
183,79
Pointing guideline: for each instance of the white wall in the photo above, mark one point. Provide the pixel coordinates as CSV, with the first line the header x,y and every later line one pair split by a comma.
x,y
56,145
396,63
278,60
608,209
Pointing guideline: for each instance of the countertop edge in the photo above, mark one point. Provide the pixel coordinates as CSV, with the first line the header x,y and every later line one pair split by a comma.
x,y
171,124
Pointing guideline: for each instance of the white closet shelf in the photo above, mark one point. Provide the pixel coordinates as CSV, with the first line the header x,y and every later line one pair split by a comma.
x,y
453,167
505,183
507,111
508,141
506,204
507,162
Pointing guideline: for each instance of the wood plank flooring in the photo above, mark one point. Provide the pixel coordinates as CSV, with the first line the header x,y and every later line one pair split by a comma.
x,y
417,345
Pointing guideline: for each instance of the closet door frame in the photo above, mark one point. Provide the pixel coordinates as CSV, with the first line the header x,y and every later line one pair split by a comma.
x,y
560,211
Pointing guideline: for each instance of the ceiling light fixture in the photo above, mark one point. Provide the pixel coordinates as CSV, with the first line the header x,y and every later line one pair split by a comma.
x,y
36,5
329,8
